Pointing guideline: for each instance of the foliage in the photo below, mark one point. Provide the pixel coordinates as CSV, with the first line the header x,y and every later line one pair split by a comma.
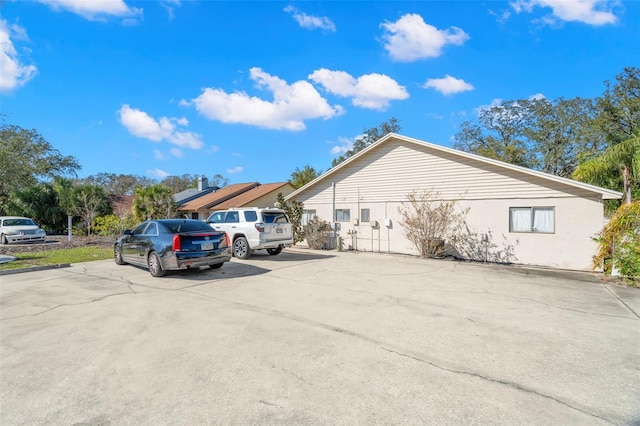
x,y
317,232
294,210
428,221
368,137
113,225
39,202
154,202
620,106
618,167
26,158
115,184
300,178
619,242
88,202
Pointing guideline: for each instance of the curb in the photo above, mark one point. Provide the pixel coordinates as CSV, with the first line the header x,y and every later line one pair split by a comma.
x,y
34,268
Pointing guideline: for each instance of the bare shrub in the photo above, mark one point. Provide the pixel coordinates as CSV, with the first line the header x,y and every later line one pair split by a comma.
x,y
317,232
428,221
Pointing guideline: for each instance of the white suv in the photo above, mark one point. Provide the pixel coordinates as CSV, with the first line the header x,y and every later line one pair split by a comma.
x,y
253,228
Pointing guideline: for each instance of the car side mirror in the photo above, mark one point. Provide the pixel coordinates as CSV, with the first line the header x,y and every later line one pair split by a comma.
x,y
127,232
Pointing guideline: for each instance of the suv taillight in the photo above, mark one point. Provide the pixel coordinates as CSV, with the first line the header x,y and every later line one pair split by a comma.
x,y
260,227
176,243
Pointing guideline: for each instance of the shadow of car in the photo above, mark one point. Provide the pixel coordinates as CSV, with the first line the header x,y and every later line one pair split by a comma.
x,y
15,229
163,245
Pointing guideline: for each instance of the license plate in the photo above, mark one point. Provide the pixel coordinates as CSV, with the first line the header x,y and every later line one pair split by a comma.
x,y
278,230
206,246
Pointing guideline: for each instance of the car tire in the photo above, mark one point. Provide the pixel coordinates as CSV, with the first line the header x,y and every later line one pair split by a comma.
x,y
275,251
241,248
154,265
216,266
4,240
117,255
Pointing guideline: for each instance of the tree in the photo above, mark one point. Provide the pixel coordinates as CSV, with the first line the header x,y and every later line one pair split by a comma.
x,y
294,210
620,106
121,184
621,159
499,134
154,202
619,242
180,183
300,178
427,221
368,137
25,158
41,203
90,201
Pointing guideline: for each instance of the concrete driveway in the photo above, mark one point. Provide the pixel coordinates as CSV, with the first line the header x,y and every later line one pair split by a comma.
x,y
317,338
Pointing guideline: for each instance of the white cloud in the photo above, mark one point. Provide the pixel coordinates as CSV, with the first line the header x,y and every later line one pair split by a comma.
x,y
291,105
592,12
410,38
344,145
372,91
142,125
161,174
235,170
537,97
448,85
310,22
95,9
176,152
158,155
212,149
13,72
169,6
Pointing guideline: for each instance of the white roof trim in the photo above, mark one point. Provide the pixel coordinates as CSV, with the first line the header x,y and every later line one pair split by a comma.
x,y
607,194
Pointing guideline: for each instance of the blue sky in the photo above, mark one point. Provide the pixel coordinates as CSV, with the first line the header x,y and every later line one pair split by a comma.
x,y
252,90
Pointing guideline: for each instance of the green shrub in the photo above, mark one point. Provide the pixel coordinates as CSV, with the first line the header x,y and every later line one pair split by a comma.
x,y
113,225
619,242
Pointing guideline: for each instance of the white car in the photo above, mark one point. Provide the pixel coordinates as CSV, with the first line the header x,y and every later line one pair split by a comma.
x,y
253,228
14,229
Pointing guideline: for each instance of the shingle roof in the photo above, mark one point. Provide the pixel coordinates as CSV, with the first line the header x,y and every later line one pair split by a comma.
x,y
251,195
221,195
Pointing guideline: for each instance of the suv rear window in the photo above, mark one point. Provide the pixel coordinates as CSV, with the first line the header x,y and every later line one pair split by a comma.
x,y
274,217
250,216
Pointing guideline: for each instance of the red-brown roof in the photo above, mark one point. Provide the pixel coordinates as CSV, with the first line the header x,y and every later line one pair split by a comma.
x,y
217,197
121,203
247,197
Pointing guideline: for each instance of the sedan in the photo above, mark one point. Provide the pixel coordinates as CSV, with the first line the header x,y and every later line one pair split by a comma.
x,y
172,244
14,229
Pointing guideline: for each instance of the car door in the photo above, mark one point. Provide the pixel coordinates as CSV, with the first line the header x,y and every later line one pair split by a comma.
x,y
145,242
131,242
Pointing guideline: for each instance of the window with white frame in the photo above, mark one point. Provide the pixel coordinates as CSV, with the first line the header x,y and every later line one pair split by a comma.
x,y
532,219
364,215
307,216
343,215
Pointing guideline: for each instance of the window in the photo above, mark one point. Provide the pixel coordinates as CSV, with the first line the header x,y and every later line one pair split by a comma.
x,y
532,219
217,217
364,215
194,215
250,216
343,215
307,216
152,229
232,217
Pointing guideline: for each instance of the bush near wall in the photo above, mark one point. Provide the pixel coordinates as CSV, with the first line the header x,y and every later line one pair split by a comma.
x,y
619,242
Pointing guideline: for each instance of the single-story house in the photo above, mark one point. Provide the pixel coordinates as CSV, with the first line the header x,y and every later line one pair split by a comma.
x,y
252,194
514,214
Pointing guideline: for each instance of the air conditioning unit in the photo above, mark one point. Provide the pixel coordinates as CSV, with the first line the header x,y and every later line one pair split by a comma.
x,y
355,221
374,223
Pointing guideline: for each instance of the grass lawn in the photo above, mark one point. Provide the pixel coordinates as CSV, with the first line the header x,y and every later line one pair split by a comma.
x,y
56,257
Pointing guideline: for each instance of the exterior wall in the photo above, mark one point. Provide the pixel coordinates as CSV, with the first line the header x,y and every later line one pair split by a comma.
x,y
381,180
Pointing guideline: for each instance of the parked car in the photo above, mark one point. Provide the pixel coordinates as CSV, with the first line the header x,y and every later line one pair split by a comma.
x,y
253,228
15,229
172,244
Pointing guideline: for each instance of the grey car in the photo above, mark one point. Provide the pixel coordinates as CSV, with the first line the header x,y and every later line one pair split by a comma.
x,y
172,244
16,229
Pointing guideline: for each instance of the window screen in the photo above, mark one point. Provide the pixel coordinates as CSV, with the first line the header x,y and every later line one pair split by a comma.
x,y
532,219
343,215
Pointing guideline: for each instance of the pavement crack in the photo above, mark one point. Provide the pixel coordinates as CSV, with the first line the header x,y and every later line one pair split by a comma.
x,y
621,301
508,383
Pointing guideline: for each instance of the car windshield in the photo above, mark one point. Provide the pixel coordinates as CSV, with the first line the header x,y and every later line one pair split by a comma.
x,y
176,226
18,222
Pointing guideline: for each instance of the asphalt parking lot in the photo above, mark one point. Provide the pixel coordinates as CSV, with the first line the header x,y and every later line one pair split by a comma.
x,y
310,337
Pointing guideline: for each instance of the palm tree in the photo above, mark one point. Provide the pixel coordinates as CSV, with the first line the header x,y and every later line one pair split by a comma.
x,y
622,158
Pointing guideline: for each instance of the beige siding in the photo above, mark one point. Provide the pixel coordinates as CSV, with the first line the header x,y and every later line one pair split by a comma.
x,y
396,168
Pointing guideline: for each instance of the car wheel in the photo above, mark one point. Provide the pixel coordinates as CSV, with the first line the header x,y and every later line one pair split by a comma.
x,y
241,248
275,251
117,255
216,266
155,267
4,240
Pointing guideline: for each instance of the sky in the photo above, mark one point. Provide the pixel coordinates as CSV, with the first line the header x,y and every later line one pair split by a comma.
x,y
254,90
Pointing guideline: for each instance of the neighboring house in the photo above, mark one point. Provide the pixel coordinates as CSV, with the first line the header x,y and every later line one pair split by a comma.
x,y
264,195
190,194
199,208
516,215
122,204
